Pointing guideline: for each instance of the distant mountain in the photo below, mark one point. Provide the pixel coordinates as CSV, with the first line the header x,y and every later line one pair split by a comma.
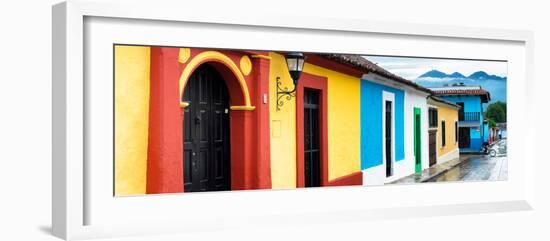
x,y
457,75
479,75
496,85
482,75
433,74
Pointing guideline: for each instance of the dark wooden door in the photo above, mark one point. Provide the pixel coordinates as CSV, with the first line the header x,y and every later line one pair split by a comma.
x,y
388,144
312,157
461,111
464,137
432,146
206,132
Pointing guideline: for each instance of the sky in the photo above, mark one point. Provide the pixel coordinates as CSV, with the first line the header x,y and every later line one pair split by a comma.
x,y
411,68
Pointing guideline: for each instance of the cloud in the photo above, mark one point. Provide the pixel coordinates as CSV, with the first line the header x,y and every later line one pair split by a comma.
x,y
411,68
438,80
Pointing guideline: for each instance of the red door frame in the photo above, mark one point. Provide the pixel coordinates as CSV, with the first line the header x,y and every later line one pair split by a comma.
x,y
319,83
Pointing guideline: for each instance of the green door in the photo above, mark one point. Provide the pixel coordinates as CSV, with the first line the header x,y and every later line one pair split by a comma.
x,y
417,141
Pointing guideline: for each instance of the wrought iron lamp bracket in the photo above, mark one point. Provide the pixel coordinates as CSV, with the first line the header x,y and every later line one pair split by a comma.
x,y
283,93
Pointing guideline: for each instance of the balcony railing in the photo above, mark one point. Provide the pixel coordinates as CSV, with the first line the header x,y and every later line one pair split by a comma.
x,y
469,116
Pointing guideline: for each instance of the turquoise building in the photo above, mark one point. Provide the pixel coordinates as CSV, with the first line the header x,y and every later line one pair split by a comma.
x,y
472,132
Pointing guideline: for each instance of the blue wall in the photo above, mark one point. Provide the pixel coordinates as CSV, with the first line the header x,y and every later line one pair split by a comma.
x,y
371,123
471,104
475,143
485,132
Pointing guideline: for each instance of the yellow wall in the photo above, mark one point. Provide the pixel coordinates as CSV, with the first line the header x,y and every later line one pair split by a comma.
x,y
282,126
343,124
450,115
131,118
343,121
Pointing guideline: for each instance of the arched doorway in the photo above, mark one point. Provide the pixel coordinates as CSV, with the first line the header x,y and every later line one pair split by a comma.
x,y
206,134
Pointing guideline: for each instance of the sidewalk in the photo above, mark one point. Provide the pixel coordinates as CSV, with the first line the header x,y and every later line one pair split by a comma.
x,y
433,171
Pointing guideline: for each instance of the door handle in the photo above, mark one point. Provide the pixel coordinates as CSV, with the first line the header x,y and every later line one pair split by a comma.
x,y
193,161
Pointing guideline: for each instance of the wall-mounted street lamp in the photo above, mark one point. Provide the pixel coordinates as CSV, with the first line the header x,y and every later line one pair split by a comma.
x,y
295,63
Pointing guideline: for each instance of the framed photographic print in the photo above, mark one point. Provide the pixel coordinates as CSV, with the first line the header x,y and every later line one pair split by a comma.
x,y
167,123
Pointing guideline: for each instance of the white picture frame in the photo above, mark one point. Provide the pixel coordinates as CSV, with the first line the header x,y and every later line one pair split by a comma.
x,y
81,210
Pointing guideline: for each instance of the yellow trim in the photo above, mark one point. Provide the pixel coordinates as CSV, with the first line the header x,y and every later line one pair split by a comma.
x,y
184,104
260,56
242,107
217,56
184,55
246,65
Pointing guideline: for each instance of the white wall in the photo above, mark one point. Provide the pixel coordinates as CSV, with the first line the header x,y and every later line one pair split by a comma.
x,y
25,126
374,176
401,168
415,99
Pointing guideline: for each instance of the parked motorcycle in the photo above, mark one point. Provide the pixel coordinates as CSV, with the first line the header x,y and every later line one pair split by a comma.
x,y
485,148
494,149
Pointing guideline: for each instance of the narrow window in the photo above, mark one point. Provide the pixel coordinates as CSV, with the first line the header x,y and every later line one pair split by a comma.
x,y
456,131
432,115
442,133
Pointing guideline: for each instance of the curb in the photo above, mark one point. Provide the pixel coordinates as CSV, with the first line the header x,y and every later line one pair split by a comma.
x,y
443,171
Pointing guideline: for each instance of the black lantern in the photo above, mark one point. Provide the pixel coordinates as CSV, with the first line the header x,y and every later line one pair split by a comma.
x,y
295,63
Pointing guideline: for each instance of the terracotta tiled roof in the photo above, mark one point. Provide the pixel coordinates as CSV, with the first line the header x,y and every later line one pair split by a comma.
x,y
485,96
437,99
361,63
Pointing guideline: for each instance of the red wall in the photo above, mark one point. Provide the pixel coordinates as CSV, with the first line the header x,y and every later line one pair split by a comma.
x,y
164,160
250,164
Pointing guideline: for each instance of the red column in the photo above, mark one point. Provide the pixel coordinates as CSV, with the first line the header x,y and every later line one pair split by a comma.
x,y
242,173
165,158
262,144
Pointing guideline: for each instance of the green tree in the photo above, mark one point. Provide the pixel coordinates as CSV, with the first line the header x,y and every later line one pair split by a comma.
x,y
492,123
496,112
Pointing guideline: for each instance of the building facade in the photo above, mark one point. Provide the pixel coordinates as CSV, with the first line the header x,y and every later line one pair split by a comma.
x,y
174,106
393,141
315,136
443,130
486,132
192,119
470,118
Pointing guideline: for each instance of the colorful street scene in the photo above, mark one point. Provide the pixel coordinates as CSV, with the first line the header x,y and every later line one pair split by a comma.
x,y
478,152
198,119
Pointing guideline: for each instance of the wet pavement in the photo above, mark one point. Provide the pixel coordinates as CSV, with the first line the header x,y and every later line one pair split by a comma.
x,y
476,168
468,167
431,172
